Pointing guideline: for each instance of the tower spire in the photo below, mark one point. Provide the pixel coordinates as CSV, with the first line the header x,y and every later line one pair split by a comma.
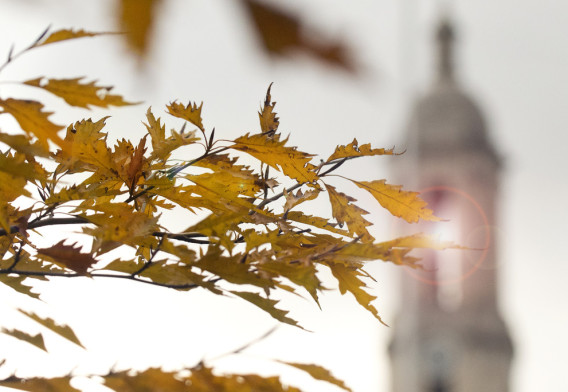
x,y
445,40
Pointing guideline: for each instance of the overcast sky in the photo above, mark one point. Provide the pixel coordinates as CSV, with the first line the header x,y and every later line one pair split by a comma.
x,y
512,58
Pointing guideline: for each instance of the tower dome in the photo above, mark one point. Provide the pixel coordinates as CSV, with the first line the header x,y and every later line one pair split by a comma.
x,y
446,118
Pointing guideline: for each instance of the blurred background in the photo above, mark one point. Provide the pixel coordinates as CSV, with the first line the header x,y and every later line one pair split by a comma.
x,y
355,70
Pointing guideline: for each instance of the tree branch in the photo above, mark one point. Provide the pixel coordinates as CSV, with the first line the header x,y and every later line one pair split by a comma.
x,y
97,275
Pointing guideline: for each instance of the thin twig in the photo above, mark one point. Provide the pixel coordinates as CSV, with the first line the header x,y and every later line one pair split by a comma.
x,y
153,254
98,275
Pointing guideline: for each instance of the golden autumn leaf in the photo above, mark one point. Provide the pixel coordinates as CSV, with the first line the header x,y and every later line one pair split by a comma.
x,y
120,223
201,379
136,18
268,305
86,149
344,211
268,120
162,146
16,283
69,256
55,384
403,204
79,94
136,163
273,152
355,150
319,373
66,34
191,113
35,340
17,166
421,240
316,221
293,200
146,381
301,274
62,330
24,145
33,120
348,279
11,187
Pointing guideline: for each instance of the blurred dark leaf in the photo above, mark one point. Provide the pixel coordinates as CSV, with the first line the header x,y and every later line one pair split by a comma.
x,y
282,33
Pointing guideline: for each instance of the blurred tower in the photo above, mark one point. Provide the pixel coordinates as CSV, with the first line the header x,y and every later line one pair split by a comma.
x,y
449,336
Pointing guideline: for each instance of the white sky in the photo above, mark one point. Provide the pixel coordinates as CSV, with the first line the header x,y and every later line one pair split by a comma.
x,y
512,56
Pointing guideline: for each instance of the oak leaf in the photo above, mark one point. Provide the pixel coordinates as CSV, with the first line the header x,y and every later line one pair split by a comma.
x,y
62,330
273,152
66,34
403,204
268,305
355,150
69,256
319,373
162,146
79,94
292,200
136,17
55,384
348,279
24,145
191,113
36,340
282,33
33,120
16,283
344,211
268,120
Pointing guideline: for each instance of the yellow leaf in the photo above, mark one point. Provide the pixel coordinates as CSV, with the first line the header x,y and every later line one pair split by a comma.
x,y
348,279
302,274
36,340
79,94
268,120
230,268
17,166
345,212
316,221
62,330
403,204
150,380
11,187
120,223
270,150
235,182
268,305
300,197
136,163
190,113
162,146
24,145
319,373
87,149
354,150
55,384
16,283
136,19
33,120
67,34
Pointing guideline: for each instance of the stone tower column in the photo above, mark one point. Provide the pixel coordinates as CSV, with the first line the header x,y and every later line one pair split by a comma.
x,y
449,335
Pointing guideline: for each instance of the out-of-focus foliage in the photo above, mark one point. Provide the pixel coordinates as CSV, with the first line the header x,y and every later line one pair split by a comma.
x,y
279,32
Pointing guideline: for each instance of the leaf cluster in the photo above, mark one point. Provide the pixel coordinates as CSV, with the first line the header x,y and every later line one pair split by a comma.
x,y
249,237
